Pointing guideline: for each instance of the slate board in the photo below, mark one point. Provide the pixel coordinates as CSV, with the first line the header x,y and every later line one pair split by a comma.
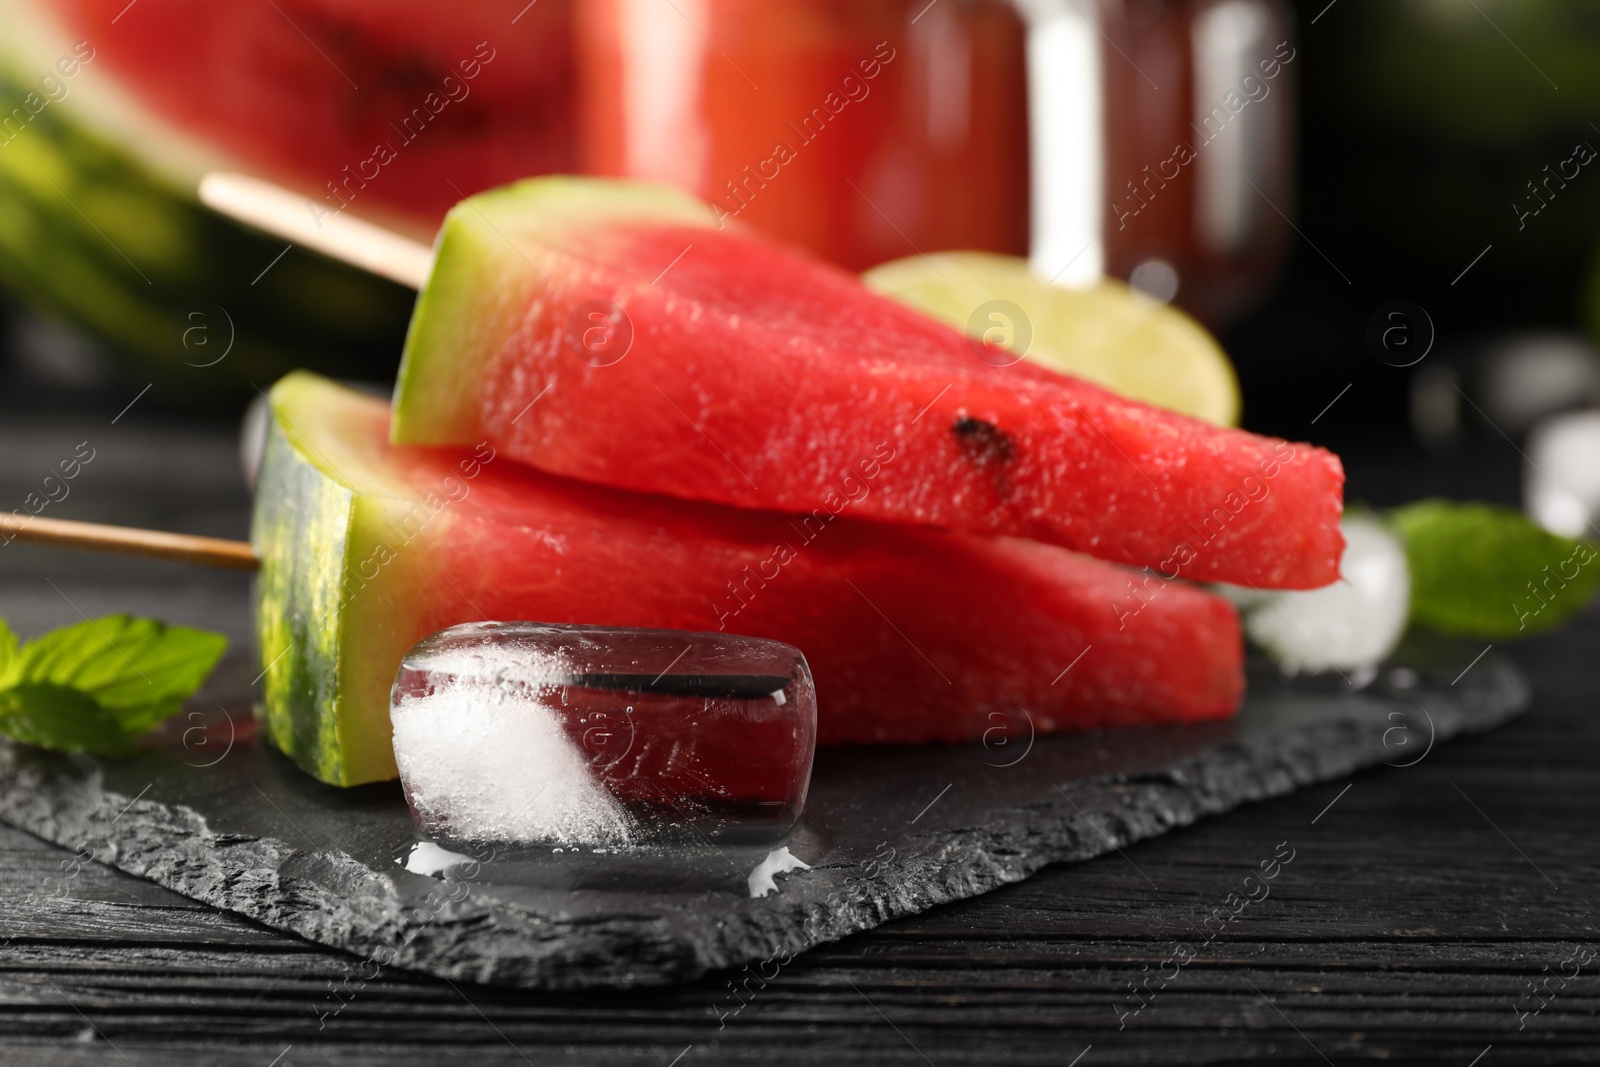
x,y
887,832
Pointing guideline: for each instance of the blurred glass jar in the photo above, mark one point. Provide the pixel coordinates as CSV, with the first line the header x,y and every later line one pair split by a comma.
x,y
1148,139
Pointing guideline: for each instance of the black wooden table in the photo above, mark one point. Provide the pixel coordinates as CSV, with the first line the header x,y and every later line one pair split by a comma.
x,y
1421,905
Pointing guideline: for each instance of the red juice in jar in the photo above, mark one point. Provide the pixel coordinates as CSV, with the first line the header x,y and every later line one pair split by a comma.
x,y
1198,107
840,125
1085,133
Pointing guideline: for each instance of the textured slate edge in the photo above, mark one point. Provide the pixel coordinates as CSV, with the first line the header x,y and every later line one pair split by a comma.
x,y
333,899
956,864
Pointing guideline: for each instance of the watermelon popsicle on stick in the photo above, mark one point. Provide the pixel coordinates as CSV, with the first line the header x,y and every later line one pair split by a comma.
x,y
913,635
615,333
363,548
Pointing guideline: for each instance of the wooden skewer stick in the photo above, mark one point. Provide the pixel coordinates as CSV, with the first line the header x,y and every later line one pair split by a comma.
x,y
126,540
305,222
294,218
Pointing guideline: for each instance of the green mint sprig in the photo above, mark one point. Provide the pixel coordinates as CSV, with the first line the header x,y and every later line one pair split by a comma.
x,y
96,685
1488,572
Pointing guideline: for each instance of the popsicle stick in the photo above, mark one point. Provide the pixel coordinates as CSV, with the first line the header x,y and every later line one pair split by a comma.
x,y
128,541
306,222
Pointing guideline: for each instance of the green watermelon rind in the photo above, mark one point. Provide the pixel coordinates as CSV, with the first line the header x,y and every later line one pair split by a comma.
x,y
486,271
94,235
301,533
336,603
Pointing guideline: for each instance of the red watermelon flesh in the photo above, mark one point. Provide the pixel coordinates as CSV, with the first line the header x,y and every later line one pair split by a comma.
x,y
312,92
737,371
913,635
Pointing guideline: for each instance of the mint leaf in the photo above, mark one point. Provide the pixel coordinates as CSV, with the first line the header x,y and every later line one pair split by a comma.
x,y
55,716
1489,572
140,670
95,685
8,648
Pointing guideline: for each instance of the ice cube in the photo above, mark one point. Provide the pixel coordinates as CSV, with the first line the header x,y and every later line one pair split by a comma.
x,y
1561,476
1350,625
527,732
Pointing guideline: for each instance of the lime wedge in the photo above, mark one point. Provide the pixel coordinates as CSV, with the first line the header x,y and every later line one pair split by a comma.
x,y
1110,334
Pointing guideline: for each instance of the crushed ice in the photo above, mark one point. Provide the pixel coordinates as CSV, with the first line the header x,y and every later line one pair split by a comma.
x,y
1349,626
427,858
778,861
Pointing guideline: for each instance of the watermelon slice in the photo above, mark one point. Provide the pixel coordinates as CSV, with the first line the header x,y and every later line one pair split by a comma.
x,y
612,332
311,92
114,110
913,635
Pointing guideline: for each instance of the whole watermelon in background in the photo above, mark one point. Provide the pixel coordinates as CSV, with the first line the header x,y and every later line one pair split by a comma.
x,y
98,166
